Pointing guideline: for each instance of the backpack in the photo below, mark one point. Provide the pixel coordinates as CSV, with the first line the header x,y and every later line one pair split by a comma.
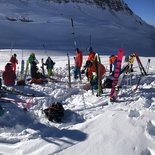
x,y
107,83
55,112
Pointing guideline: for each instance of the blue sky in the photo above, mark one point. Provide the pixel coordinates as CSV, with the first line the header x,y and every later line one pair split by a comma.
x,y
143,8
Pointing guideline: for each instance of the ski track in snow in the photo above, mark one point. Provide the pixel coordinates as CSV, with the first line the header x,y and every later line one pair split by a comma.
x,y
133,110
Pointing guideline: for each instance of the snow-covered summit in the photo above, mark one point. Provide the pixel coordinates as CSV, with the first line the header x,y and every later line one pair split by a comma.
x,y
30,24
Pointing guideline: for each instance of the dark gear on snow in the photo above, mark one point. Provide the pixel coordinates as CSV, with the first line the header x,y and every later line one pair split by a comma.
x,y
54,112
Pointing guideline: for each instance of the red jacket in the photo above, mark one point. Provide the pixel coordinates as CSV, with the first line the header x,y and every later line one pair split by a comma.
x,y
78,59
9,75
14,60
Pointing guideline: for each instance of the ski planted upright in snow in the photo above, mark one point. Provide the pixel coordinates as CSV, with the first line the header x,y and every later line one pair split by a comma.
x,y
143,71
113,93
123,71
42,67
97,59
69,71
22,69
147,69
75,44
26,69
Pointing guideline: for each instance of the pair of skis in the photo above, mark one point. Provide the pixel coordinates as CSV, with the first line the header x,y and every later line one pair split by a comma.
x,y
24,104
117,72
143,71
18,92
99,80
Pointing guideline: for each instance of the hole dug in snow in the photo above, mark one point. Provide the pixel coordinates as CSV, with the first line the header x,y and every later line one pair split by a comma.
x,y
146,152
151,128
134,113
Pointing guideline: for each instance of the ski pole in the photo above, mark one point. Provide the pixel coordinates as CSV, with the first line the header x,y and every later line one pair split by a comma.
x,y
75,44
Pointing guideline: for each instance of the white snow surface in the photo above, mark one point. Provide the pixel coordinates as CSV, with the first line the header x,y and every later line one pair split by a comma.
x,y
91,125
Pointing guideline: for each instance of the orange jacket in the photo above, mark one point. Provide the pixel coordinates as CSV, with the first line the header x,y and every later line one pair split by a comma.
x,y
78,59
13,60
93,68
112,59
91,56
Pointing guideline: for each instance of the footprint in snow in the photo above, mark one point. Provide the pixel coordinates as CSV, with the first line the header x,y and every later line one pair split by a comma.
x,y
146,152
151,129
133,113
147,104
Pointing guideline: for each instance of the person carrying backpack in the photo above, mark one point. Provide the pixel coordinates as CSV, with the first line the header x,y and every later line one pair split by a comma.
x,y
49,65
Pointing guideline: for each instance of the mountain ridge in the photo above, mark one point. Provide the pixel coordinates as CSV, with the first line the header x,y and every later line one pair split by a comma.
x,y
29,24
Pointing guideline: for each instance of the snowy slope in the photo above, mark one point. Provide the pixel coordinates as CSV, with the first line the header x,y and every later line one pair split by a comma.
x,y
50,25
91,125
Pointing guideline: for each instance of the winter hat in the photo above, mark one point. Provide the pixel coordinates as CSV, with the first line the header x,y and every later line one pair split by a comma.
x,y
90,49
77,49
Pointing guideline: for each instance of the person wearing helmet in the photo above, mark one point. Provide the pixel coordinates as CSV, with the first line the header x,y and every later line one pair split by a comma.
x,y
91,57
14,61
91,54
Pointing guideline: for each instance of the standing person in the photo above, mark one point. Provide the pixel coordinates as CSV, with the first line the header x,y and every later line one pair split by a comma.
x,y
112,63
91,54
33,65
14,61
91,57
49,65
31,58
78,63
9,75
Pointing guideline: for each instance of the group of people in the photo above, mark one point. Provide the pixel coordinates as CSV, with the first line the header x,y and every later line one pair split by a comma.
x,y
9,74
90,68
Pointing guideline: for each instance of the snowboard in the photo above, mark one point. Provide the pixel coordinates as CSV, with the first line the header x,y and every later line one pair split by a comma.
x,y
116,75
123,71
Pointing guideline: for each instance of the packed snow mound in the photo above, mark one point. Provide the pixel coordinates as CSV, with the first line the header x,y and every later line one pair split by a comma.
x,y
38,24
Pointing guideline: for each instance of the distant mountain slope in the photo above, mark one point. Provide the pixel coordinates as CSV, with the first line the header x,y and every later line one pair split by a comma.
x,y
111,24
